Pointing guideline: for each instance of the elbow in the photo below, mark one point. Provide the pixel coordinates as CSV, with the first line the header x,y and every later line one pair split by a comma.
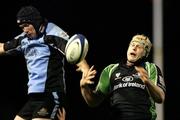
x,y
161,98
92,104
160,101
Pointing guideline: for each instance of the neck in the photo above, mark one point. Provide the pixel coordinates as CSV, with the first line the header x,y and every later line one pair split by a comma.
x,y
128,63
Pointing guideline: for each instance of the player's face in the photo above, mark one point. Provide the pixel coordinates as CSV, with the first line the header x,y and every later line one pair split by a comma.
x,y
28,29
135,51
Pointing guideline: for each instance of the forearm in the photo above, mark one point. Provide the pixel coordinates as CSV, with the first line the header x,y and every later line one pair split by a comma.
x,y
156,92
2,48
90,96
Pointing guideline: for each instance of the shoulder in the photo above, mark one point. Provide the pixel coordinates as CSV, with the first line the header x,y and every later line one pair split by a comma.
x,y
153,68
151,65
110,68
22,35
53,29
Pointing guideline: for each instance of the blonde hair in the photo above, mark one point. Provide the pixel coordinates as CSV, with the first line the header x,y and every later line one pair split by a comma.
x,y
144,40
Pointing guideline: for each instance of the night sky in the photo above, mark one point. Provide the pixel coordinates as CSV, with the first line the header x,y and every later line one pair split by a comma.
x,y
108,26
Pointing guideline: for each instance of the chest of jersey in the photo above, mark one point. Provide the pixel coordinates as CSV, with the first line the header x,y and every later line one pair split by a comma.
x,y
126,78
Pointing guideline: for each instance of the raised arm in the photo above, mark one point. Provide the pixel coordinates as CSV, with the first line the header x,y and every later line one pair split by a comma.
x,y
91,96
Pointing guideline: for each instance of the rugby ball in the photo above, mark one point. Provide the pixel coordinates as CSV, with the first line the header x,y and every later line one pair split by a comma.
x,y
76,48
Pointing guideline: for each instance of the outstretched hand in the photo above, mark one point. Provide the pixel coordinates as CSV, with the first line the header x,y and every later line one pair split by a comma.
x,y
87,77
87,73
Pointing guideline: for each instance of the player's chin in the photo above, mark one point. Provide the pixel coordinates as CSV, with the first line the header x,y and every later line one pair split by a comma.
x,y
132,59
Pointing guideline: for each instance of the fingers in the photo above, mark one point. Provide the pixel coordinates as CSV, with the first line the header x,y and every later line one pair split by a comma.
x,y
141,70
87,77
142,73
61,114
90,73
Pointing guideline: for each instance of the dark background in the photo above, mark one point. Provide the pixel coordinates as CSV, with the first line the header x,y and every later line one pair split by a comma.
x,y
109,26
